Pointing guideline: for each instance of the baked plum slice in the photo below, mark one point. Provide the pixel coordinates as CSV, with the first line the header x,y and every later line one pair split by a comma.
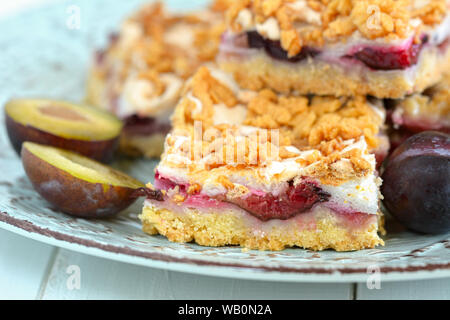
x,y
391,58
83,129
416,183
275,50
78,185
295,200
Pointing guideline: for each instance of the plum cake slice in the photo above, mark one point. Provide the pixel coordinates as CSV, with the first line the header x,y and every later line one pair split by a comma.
x,y
267,171
383,48
140,74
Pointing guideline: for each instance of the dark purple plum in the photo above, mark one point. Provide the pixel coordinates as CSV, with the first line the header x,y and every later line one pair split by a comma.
x,y
274,49
296,200
416,183
391,58
255,40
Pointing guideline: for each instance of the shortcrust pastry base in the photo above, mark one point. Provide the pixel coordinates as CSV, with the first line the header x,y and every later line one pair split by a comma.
x,y
311,76
223,228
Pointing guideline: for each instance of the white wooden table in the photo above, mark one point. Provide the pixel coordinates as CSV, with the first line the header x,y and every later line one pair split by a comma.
x,y
32,270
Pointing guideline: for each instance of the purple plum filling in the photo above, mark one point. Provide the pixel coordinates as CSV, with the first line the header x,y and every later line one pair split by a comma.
x,y
377,58
296,200
391,58
274,49
136,125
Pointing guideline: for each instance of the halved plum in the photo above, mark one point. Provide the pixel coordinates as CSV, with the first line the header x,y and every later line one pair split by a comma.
x,y
77,185
83,129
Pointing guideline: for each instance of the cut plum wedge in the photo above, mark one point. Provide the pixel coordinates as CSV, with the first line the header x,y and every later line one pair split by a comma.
x,y
77,185
88,131
391,58
296,200
274,49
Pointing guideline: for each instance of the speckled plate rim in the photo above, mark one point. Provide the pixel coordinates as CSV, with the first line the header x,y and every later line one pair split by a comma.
x,y
216,269
194,265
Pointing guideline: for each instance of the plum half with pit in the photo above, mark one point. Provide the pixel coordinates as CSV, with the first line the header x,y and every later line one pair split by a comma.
x,y
416,183
78,185
83,129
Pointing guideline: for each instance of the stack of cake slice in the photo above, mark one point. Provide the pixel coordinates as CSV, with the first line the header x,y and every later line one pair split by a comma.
x,y
276,142
268,171
278,146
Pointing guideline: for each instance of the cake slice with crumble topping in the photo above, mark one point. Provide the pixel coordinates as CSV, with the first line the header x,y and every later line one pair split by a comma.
x,y
268,171
140,74
383,48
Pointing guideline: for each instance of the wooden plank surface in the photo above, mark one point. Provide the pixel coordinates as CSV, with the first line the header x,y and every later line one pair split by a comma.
x,y
24,264
104,279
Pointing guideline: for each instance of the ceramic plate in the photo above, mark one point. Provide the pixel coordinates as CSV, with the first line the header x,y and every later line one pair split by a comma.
x,y
42,56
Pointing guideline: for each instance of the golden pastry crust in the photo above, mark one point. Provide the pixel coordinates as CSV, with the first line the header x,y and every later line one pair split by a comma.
x,y
313,22
321,78
326,231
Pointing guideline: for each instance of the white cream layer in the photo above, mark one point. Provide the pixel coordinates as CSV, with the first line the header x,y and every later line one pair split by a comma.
x,y
359,194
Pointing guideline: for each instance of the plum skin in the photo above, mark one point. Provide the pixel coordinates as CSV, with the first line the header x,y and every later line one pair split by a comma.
x,y
72,195
98,150
416,188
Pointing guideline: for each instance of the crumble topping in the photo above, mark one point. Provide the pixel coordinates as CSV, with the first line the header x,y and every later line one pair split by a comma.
x,y
303,121
315,133
154,52
299,23
164,38
308,122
